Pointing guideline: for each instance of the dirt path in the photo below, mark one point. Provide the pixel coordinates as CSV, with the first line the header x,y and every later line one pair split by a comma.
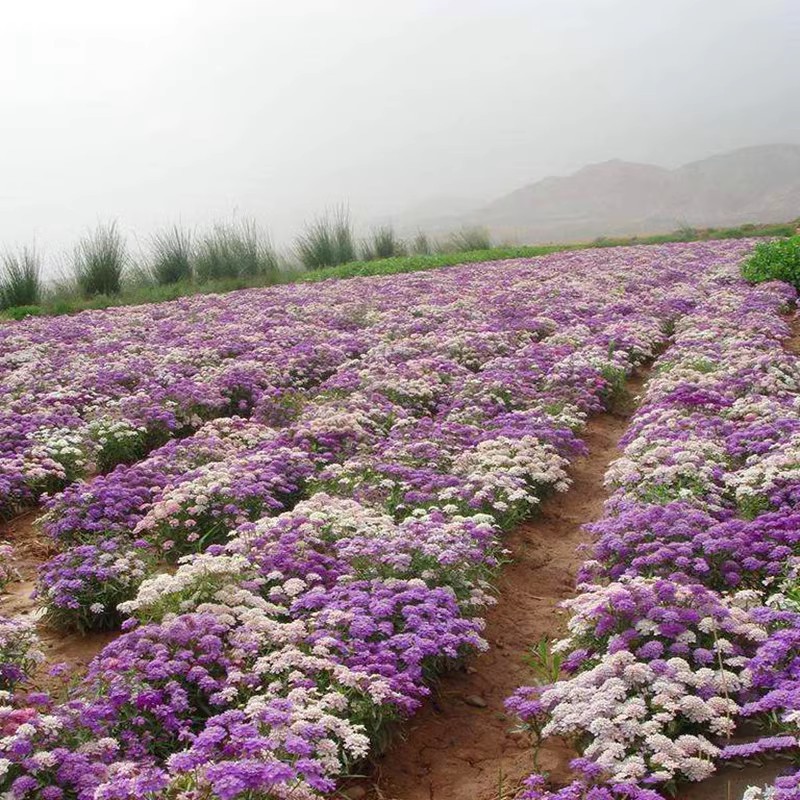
x,y
30,550
792,344
457,751
456,748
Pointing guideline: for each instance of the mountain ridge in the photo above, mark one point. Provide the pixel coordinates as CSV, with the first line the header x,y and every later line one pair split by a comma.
x,y
760,183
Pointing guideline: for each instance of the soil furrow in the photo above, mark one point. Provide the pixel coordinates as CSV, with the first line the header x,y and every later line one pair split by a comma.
x,y
457,748
60,647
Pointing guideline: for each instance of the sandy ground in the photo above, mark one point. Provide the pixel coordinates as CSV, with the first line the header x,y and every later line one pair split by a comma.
x,y
453,750
30,549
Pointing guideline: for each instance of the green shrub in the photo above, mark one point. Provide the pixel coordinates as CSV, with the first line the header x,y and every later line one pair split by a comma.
x,y
468,239
171,256
687,233
422,245
62,305
327,241
20,284
778,260
100,260
235,250
383,243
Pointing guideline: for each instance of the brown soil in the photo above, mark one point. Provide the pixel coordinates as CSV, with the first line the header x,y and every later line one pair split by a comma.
x,y
453,750
456,751
729,783
31,548
792,344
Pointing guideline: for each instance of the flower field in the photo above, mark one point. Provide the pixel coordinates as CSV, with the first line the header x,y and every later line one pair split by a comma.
x,y
687,621
291,505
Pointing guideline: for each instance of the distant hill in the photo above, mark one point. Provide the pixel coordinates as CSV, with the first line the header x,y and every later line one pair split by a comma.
x,y
754,184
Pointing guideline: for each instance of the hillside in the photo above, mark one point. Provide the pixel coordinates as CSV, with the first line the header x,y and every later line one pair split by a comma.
x,y
754,184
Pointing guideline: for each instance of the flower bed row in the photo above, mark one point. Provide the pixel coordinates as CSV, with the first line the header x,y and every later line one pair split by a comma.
x,y
294,631
685,629
476,413
82,393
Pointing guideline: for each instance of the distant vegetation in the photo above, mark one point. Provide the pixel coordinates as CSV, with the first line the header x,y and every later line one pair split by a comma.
x,y
172,256
383,243
327,241
21,283
99,261
775,261
235,250
468,239
238,254
687,233
421,245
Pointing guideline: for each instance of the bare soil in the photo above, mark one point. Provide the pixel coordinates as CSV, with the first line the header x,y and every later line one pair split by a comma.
x,y
31,548
454,750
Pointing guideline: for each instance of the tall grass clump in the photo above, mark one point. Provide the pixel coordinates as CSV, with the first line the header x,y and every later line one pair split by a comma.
x,y
235,250
100,260
327,241
171,256
421,245
383,242
778,260
687,232
470,238
20,280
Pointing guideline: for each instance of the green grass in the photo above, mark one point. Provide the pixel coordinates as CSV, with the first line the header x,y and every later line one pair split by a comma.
x,y
171,256
775,261
327,241
235,250
392,266
20,278
137,294
100,260
20,312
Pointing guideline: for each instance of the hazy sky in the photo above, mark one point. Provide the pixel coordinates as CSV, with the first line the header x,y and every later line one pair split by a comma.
x,y
152,111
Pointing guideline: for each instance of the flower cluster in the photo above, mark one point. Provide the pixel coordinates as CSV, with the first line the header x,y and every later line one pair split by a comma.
x,y
217,497
81,588
7,570
671,641
336,543
20,652
112,504
98,389
536,789
684,543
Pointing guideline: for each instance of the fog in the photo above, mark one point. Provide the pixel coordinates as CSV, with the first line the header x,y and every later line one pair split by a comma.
x,y
194,110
